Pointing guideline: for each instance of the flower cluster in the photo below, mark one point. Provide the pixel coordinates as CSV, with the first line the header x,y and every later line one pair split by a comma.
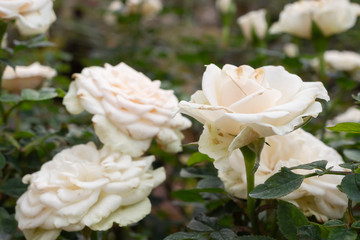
x,y
331,17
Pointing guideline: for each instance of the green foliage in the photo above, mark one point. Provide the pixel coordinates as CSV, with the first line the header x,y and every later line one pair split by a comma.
x,y
350,185
289,219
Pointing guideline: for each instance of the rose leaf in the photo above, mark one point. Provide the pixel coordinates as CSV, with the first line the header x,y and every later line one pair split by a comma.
x,y
278,185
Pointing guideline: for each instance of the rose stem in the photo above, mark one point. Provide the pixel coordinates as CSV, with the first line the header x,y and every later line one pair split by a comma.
x,y
249,158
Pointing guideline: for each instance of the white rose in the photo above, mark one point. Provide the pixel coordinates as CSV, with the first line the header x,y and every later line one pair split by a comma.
x,y
342,60
336,16
254,21
331,16
146,7
110,15
31,76
350,115
32,16
316,196
129,109
247,104
223,5
295,19
291,50
82,186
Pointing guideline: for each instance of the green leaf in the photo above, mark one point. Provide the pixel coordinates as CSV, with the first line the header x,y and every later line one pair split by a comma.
x,y
321,164
198,158
351,166
13,187
309,232
187,196
356,225
352,154
10,98
203,223
350,185
33,95
334,223
349,127
223,234
193,172
253,238
184,236
342,233
278,185
60,93
8,223
289,219
210,182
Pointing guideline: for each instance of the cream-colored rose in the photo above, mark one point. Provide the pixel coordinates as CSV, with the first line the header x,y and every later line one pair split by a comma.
x,y
331,16
247,104
32,16
31,76
350,115
146,7
316,196
110,14
223,5
83,186
342,60
254,21
295,19
291,50
335,16
129,109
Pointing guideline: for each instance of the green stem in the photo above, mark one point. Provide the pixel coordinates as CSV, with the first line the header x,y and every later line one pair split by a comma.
x,y
249,158
329,172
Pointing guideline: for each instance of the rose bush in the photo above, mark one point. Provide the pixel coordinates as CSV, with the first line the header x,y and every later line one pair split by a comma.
x,y
254,21
22,77
32,16
129,109
246,104
83,186
331,16
318,196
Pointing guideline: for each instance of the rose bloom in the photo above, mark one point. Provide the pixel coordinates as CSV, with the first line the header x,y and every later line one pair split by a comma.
x,y
32,16
146,7
331,16
316,196
129,109
110,15
22,77
247,104
223,5
83,186
254,21
291,50
350,115
342,60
